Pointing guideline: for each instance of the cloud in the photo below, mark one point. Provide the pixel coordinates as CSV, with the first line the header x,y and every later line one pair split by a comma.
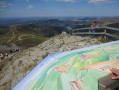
x,y
45,0
47,8
1,9
102,1
27,0
89,1
4,5
29,7
64,0
67,0
9,4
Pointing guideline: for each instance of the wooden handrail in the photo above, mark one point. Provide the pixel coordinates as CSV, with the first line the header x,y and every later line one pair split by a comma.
x,y
115,29
97,33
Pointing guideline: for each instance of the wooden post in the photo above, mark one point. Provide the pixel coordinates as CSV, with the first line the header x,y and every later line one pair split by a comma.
x,y
71,31
105,31
89,32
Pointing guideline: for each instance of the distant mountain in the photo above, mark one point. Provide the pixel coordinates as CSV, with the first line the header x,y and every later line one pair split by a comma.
x,y
27,32
47,21
28,35
106,21
55,22
115,25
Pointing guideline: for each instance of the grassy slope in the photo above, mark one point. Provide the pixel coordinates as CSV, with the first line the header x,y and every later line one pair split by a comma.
x,y
26,36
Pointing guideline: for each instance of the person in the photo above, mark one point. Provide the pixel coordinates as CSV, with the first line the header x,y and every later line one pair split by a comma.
x,y
115,71
11,51
94,25
6,54
19,50
0,57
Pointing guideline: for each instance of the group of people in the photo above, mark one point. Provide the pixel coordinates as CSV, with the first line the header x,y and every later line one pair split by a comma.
x,y
11,51
14,50
2,57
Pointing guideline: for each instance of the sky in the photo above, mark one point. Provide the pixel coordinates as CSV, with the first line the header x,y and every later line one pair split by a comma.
x,y
54,8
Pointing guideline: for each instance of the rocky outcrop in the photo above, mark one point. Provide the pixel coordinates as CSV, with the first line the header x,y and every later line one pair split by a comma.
x,y
23,62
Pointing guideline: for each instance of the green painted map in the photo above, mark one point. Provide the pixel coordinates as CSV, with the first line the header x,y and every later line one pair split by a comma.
x,y
76,70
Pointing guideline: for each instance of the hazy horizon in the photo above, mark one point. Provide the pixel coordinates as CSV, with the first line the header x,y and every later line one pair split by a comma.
x,y
52,16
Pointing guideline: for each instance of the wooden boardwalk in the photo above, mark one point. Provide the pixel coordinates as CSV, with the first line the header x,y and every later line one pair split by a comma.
x,y
96,33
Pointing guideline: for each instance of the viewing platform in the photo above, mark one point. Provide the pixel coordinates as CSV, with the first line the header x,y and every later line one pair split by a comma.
x,y
105,33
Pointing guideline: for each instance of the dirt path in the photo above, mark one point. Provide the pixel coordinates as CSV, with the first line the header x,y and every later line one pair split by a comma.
x,y
21,37
11,38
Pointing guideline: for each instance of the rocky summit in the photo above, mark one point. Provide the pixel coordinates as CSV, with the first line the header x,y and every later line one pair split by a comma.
x,y
20,64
